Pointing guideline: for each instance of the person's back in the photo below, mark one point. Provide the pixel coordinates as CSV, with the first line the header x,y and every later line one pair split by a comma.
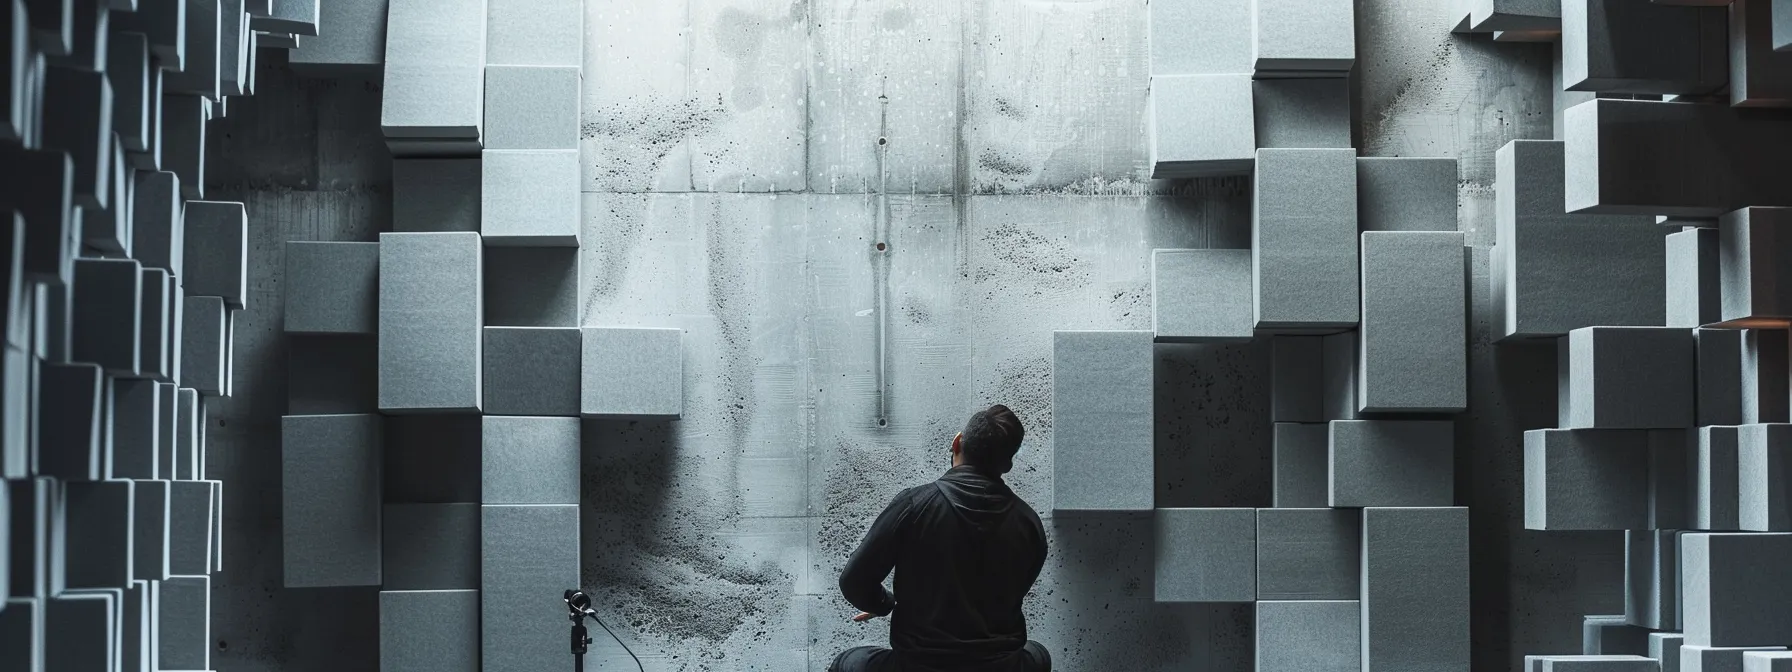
x,y
965,551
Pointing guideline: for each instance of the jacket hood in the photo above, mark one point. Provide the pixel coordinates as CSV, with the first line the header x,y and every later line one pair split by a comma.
x,y
976,497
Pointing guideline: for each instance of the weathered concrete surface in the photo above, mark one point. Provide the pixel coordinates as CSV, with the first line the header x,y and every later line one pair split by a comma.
x,y
1011,191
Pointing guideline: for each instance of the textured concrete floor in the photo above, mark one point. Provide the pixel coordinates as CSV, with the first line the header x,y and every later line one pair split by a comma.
x,y
743,159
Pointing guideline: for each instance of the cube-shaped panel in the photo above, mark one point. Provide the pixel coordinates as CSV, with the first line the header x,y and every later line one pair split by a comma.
x,y
1415,599
631,373
530,198
430,547
1309,636
447,641
215,251
1201,125
1102,415
332,288
527,552
1308,554
1736,589
435,195
532,106
1391,463
530,460
1586,479
1201,296
1206,555
1629,378
429,322
1406,193
1304,239
1414,335
330,496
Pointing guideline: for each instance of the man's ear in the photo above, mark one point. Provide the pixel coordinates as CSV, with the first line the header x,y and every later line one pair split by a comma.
x,y
958,443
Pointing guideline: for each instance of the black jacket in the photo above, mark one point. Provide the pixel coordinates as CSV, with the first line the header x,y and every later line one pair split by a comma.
x,y
966,550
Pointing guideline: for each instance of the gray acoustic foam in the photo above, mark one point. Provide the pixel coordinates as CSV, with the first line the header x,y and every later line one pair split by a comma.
x,y
168,398
526,552
1696,658
532,107
332,375
1765,386
70,399
1304,36
1205,555
100,520
1736,589
81,631
1201,296
430,547
1767,661
33,509
446,641
1224,142
637,372
1753,257
1583,663
202,344
44,195
184,119
201,72
433,459
1671,470
1301,113
1586,479
156,334
1415,598
216,242
350,39
1626,158
77,120
1664,647
1303,238
1620,46
1296,369
151,513
429,322
298,17
1609,635
1758,73
530,460
1764,471
157,223
164,22
331,500
1716,482
136,429
189,433
1299,464
189,527
1406,194
107,314
1309,554
1630,378
1550,279
137,650
332,288
435,69
1339,369
1391,463
1199,37
530,197
1309,636
435,195
532,287
1414,335
22,634
535,32
1102,420
185,623
1486,16
1652,579
1694,291
532,371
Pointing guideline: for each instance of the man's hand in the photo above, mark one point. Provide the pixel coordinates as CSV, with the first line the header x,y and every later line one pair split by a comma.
x,y
863,616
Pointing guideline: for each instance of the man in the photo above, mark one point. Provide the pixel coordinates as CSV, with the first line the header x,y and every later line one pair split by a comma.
x,y
965,550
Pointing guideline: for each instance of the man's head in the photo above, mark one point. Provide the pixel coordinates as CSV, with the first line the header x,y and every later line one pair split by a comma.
x,y
990,440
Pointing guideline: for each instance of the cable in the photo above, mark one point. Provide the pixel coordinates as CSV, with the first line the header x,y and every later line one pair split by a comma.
x,y
631,652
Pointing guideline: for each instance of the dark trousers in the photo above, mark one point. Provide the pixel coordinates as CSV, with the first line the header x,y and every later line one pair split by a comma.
x,y
1030,658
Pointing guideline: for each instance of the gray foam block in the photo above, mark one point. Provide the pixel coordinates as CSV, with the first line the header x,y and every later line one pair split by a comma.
x,y
433,459
297,17
435,195
1695,658
435,69
43,193
15,325
1309,636
1199,37
1301,113
100,518
1735,589
151,513
1406,194
1764,471
1391,463
1652,579
535,32
530,460
532,287
430,547
233,41
1296,370
1630,378
1608,635
530,197
1205,555
1552,282
280,40
81,631
639,372
157,223
1637,156
1309,554
1609,663
1586,479
330,497
1766,661
70,401
1101,403
202,344
31,509
107,229
526,552
1764,375
1671,468
1221,143
1694,294
532,106
215,251
447,641
164,21
1619,46
1664,647
429,322
201,72
107,314
332,288
127,69
168,396
183,142
137,652
1339,370
353,39
1299,464
1716,482
22,634
52,26
185,623
77,109
15,434
53,319
1304,35
1414,335
155,336
1753,256
1201,296
1758,73
189,432
1719,384
332,375
1303,238
190,534
1415,607
1486,16
532,371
